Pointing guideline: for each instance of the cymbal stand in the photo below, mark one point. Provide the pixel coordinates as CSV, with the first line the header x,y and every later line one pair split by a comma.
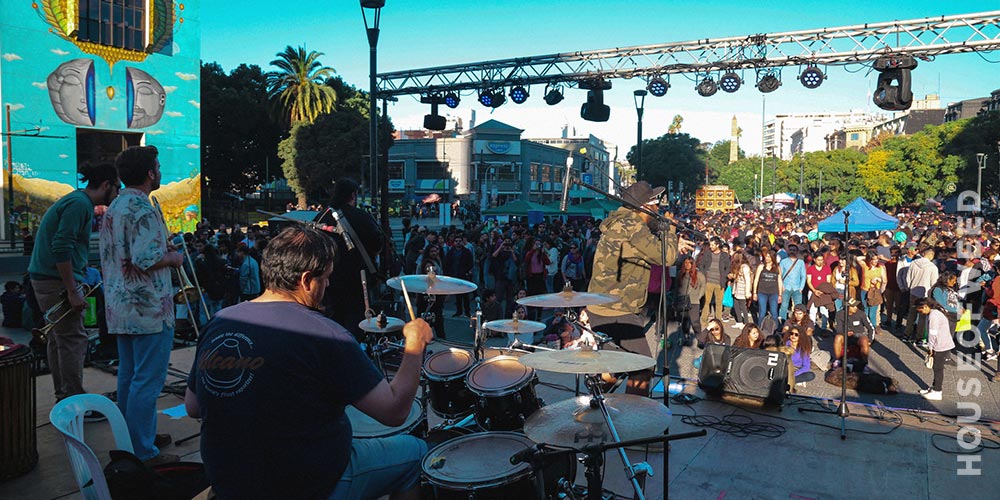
x,y
479,342
633,472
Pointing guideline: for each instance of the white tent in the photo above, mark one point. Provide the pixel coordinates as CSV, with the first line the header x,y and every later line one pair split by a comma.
x,y
783,198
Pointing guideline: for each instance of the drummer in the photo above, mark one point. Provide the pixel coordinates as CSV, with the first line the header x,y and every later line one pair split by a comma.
x,y
272,377
622,262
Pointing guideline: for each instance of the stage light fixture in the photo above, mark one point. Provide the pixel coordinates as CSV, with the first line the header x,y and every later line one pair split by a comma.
x,y
594,109
486,98
492,98
812,77
707,87
657,86
518,94
768,82
730,82
553,95
893,92
433,121
498,99
451,100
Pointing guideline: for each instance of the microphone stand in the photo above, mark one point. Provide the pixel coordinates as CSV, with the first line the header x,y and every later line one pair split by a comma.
x,y
661,323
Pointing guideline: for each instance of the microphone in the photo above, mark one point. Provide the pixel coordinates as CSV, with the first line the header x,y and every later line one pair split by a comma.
x,y
525,454
518,345
565,185
347,239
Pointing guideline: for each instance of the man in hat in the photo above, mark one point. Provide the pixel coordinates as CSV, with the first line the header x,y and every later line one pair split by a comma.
x,y
626,251
858,331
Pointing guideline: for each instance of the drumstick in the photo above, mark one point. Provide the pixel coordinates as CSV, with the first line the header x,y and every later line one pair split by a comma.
x,y
406,296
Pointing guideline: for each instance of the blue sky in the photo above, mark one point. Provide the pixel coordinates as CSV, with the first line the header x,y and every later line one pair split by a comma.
x,y
417,34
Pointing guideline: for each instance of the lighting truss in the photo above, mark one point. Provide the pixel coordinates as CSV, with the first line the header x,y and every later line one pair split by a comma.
x,y
921,38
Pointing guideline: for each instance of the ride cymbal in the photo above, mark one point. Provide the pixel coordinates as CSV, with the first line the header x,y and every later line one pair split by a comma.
x,y
432,284
514,326
584,361
575,422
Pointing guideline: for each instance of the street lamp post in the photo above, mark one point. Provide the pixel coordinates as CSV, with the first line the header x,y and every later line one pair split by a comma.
x,y
802,181
639,96
981,161
373,31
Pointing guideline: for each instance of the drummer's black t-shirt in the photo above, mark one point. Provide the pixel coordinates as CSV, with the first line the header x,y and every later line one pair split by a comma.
x,y
272,380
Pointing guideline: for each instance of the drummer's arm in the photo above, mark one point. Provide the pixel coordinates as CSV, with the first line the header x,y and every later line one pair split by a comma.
x,y
390,402
191,404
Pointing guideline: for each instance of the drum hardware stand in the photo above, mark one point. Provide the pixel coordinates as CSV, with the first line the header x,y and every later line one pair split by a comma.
x,y
479,342
634,473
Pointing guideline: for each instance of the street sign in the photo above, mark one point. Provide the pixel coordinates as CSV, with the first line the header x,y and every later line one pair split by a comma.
x,y
587,178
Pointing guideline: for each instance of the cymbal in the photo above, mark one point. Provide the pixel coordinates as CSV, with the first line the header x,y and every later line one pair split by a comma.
x,y
574,423
584,361
514,326
432,284
391,325
566,299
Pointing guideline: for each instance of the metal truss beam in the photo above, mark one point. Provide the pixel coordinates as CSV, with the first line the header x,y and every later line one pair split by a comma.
x,y
921,38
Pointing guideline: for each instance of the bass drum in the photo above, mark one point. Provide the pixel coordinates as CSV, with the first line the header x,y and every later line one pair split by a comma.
x,y
478,467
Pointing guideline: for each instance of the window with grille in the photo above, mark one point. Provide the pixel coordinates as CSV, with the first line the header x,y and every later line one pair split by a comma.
x,y
115,23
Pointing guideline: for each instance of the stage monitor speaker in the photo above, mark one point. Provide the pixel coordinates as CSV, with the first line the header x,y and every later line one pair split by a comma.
x,y
744,372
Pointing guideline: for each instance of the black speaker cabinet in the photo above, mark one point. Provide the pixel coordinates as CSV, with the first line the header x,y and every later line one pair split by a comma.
x,y
745,372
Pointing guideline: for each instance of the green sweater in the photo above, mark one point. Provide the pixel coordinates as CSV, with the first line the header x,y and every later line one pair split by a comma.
x,y
63,235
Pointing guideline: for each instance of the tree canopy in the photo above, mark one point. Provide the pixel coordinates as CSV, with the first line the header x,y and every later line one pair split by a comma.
x,y
297,87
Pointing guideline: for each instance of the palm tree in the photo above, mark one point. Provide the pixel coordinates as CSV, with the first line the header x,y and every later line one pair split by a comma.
x,y
297,89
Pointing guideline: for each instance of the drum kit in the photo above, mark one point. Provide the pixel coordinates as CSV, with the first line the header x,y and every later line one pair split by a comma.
x,y
497,439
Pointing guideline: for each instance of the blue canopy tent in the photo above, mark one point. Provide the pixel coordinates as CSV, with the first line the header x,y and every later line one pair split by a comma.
x,y
864,217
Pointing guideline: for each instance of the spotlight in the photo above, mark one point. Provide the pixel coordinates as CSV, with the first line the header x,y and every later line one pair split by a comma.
x,y
518,94
594,109
553,95
486,98
492,98
498,99
768,83
658,87
451,100
707,87
893,92
433,121
730,82
812,77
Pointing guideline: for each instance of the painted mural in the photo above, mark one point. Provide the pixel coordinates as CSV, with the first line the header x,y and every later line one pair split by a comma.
x,y
64,89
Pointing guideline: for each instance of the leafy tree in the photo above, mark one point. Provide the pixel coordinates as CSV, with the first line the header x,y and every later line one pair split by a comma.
x,y
739,176
239,139
297,88
672,157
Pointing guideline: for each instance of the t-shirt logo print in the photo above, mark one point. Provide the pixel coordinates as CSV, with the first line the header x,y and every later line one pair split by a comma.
x,y
227,366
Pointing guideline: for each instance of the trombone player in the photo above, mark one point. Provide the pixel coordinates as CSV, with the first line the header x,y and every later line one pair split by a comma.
x,y
57,270
139,304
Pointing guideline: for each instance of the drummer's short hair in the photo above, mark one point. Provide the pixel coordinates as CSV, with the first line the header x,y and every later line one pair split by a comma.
x,y
296,250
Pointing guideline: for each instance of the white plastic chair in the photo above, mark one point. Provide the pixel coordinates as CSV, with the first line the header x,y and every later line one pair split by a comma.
x,y
67,417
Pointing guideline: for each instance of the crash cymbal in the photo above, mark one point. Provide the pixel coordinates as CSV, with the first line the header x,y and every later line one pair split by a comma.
x,y
391,325
574,423
586,361
432,284
566,299
514,326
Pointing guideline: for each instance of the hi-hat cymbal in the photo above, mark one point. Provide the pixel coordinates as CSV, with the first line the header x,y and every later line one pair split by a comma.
x,y
432,284
514,326
566,299
391,325
587,361
574,423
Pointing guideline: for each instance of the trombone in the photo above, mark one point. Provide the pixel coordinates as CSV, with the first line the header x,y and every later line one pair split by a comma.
x,y
187,292
42,334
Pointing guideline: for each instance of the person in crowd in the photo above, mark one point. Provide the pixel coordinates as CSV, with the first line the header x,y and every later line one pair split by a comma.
x,y
715,265
750,337
689,292
491,306
552,267
136,260
283,342
741,277
945,294
13,303
891,292
857,331
536,262
940,344
431,260
210,268
793,280
458,263
921,275
873,284
573,269
625,251
58,266
504,270
801,345
767,286
818,279
714,333
249,273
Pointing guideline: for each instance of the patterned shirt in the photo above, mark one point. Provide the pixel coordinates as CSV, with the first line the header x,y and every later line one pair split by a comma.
x,y
133,238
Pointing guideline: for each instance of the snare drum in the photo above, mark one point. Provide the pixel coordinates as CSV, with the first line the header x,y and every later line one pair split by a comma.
x,y
18,446
445,372
365,427
478,466
505,393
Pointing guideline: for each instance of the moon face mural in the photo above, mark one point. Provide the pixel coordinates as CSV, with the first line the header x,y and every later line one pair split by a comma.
x,y
71,91
145,98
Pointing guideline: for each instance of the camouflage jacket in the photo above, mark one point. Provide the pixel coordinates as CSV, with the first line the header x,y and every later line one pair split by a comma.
x,y
622,262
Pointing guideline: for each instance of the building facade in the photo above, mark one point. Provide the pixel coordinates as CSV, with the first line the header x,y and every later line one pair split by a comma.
x,y
80,80
491,164
788,135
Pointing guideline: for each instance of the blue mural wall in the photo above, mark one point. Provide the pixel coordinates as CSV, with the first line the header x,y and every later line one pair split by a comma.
x,y
57,84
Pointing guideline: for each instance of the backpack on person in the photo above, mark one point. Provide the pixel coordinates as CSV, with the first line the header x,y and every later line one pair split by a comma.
x,y
768,325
